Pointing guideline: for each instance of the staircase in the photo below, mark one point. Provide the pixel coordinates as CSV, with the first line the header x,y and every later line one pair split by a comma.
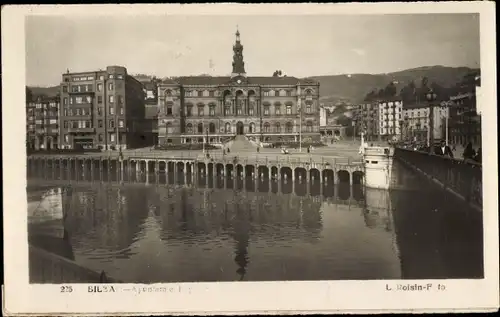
x,y
241,144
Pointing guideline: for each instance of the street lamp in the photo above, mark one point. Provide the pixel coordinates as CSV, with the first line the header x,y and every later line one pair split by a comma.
x,y
431,97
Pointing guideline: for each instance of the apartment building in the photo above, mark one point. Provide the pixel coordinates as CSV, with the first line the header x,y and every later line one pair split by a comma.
x,y
42,123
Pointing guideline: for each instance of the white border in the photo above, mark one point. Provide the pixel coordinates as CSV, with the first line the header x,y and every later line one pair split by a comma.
x,y
248,297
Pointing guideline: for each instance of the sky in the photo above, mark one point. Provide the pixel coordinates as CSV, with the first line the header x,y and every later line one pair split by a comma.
x,y
300,46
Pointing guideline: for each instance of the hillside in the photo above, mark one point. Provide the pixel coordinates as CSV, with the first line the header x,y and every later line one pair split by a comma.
x,y
353,88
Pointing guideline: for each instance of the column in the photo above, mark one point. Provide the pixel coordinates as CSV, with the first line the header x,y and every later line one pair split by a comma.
x,y
351,177
121,170
61,169
184,172
224,175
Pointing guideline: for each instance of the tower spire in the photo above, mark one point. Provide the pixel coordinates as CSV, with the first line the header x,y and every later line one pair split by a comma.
x,y
238,64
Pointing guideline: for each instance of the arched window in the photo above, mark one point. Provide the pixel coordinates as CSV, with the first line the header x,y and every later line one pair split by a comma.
x,y
211,127
267,127
277,127
200,127
189,128
227,127
309,126
168,93
289,127
308,92
251,128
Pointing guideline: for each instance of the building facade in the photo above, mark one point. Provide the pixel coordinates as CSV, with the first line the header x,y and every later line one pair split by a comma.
x,y
215,109
42,124
390,116
417,122
100,110
367,120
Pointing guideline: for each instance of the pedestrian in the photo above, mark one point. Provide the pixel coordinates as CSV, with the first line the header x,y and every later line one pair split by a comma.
x,y
478,156
223,152
228,151
469,152
443,150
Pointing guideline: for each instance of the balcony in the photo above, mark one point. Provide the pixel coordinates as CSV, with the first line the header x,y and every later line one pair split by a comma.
x,y
81,130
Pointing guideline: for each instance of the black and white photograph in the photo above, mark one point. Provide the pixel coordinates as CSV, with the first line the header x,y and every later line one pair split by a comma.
x,y
198,148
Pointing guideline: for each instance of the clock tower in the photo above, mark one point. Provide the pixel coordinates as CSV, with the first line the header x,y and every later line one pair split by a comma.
x,y
238,64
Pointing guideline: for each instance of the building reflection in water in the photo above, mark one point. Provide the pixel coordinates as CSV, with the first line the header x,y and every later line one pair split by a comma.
x,y
262,233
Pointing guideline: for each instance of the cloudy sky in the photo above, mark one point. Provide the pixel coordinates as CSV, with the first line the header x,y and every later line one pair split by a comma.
x,y
299,45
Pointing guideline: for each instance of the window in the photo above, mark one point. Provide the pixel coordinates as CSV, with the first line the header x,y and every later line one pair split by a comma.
x,y
65,112
282,93
99,99
199,93
100,138
120,100
119,76
79,100
120,110
189,112
111,99
66,138
250,111
309,126
278,127
87,124
211,110
266,127
99,87
211,127
111,110
65,124
205,93
289,127
271,93
169,110
277,109
70,112
111,123
289,93
266,110
238,110
111,76
120,124
88,99
266,93
189,128
101,77
99,124
200,127
227,127
110,86
112,137
227,110
65,101
168,93
99,111
65,88
74,124
308,108
84,112
78,112
288,110
201,111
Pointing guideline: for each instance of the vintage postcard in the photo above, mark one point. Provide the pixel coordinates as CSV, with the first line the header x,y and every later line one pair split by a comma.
x,y
250,159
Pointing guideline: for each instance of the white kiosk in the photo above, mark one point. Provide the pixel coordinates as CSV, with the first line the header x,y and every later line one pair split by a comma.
x,y
377,162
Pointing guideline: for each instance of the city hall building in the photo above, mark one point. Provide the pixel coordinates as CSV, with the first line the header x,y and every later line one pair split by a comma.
x,y
214,109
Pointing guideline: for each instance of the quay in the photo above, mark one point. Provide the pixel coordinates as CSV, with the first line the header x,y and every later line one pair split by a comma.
x,y
194,166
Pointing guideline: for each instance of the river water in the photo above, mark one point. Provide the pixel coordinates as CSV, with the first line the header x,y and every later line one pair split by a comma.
x,y
159,231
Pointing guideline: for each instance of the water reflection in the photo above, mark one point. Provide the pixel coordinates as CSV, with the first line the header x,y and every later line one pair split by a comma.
x,y
236,229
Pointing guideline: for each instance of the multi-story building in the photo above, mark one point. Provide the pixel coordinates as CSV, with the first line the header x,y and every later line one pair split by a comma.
x,y
366,120
263,108
42,124
100,109
417,122
390,119
465,118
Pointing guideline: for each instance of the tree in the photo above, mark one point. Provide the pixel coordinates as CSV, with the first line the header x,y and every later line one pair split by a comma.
x,y
390,90
29,95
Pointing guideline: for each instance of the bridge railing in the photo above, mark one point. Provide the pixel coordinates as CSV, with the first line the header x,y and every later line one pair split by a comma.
x,y
463,177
